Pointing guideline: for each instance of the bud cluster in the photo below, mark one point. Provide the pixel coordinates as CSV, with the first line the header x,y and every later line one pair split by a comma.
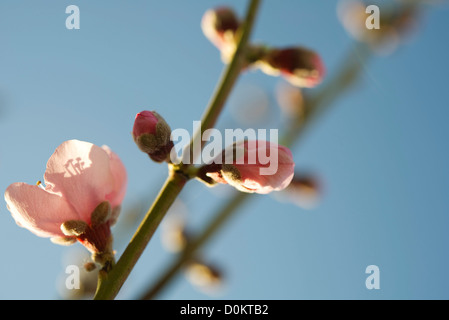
x,y
299,66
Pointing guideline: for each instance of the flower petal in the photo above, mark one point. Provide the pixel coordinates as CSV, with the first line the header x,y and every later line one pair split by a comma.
x,y
38,210
80,172
118,172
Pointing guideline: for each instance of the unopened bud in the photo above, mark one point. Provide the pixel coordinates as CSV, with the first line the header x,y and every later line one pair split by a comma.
x,y
90,266
220,26
249,172
74,228
115,212
299,66
152,135
101,213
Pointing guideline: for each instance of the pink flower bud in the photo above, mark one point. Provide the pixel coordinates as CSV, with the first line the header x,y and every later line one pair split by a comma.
x,y
220,26
152,135
83,185
301,67
258,167
145,122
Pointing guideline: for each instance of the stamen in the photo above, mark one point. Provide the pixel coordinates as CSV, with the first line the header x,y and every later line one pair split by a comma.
x,y
39,184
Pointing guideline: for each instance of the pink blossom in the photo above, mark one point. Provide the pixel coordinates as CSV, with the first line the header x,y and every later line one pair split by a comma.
x,y
79,177
151,133
261,167
145,123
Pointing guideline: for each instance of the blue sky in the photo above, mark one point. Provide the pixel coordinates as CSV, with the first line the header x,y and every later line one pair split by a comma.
x,y
380,150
